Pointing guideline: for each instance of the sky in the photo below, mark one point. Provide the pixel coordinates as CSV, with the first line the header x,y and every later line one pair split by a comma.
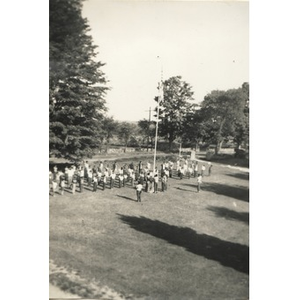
x,y
207,43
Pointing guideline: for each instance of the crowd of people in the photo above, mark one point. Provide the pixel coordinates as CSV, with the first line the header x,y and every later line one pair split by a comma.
x,y
141,176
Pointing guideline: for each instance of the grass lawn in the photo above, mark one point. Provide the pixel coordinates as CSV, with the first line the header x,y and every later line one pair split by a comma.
x,y
179,244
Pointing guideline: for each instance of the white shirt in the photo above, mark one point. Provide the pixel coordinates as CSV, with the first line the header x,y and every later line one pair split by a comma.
x,y
139,187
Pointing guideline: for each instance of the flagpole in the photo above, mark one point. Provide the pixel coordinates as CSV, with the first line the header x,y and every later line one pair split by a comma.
x,y
156,133
160,98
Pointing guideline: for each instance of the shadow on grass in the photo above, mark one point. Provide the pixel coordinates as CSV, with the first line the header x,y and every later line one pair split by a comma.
x,y
229,214
239,193
244,176
127,198
229,254
88,188
185,190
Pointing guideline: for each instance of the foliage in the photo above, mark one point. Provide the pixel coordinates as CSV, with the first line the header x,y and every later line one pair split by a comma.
x,y
241,136
147,130
76,83
195,129
223,114
128,132
174,108
109,128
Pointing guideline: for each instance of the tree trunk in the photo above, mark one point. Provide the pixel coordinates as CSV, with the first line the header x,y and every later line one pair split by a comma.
x,y
197,145
107,146
218,146
219,137
147,143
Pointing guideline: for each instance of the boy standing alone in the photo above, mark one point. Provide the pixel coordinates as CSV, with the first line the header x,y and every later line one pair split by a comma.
x,y
199,182
139,189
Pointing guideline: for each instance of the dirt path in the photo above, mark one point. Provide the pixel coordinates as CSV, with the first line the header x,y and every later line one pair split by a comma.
x,y
243,169
55,292
76,284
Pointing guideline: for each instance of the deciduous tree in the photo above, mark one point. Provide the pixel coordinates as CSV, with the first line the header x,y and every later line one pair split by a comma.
x,y
147,131
126,131
222,111
109,128
174,108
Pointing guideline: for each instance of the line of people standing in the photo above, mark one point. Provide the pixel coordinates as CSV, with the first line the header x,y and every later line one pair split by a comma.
x,y
100,176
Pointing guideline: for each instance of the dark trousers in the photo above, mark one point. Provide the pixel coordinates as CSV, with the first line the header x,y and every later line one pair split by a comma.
x,y
155,187
147,186
138,195
81,184
198,187
95,186
163,186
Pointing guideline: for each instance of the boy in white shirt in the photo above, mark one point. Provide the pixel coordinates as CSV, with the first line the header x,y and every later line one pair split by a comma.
x,y
199,182
155,183
139,188
112,179
121,180
203,170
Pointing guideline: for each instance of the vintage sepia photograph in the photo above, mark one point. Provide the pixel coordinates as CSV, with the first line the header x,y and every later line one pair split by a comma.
x,y
149,150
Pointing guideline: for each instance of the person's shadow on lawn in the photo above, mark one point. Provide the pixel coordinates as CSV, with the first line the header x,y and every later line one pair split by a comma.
x,y
227,253
236,192
185,190
127,198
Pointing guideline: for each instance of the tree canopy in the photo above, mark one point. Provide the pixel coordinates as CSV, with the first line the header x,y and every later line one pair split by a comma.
x,y
128,132
224,113
77,86
174,108
147,129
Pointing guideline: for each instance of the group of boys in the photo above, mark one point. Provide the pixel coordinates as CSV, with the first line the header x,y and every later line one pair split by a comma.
x,y
141,176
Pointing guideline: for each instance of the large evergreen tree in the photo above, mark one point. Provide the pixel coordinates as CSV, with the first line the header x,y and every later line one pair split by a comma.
x,y
76,83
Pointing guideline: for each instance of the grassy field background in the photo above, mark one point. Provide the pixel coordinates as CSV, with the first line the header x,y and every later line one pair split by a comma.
x,y
179,244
